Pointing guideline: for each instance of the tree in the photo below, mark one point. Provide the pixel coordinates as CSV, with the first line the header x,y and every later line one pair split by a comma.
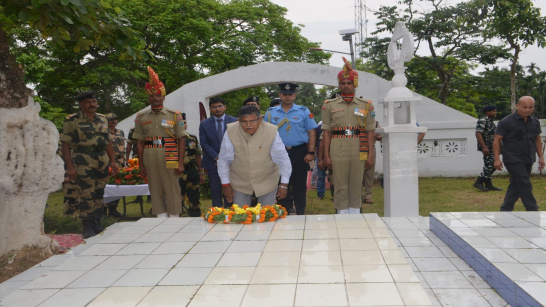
x,y
31,170
190,40
453,35
519,24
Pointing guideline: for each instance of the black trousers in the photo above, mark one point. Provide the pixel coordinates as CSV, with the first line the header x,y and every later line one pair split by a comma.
x,y
297,186
520,187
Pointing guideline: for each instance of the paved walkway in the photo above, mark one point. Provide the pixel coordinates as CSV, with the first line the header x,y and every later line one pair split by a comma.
x,y
297,261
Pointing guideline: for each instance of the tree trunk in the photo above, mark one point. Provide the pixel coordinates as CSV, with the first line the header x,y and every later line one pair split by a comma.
x,y
13,91
30,167
517,49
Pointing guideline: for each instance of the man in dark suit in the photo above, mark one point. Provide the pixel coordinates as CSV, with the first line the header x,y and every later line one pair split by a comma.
x,y
211,132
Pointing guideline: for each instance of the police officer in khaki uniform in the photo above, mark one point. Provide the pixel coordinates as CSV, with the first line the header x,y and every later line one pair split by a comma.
x,y
87,152
347,125
161,143
118,142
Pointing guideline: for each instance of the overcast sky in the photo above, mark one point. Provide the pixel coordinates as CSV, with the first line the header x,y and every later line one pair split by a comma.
x,y
321,20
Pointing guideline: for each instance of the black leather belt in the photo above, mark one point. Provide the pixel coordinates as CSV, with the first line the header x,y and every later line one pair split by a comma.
x,y
295,147
348,132
155,142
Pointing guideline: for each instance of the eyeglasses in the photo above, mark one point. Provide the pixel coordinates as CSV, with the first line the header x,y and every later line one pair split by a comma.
x,y
249,122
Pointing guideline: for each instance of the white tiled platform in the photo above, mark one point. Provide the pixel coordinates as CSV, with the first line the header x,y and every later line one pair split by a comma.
x,y
505,248
333,260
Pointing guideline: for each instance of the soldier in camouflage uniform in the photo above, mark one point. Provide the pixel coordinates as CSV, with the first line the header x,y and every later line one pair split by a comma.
x,y
485,134
118,142
131,146
118,138
193,175
88,152
70,195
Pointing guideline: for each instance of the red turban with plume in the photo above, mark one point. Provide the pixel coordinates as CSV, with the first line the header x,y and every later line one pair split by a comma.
x,y
348,73
154,86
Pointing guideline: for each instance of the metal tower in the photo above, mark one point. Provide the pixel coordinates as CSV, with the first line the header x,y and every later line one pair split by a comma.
x,y
361,22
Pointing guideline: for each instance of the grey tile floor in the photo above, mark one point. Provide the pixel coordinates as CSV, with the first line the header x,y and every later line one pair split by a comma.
x,y
446,278
141,255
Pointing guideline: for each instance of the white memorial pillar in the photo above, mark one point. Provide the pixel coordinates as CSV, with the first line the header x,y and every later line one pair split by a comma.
x,y
401,186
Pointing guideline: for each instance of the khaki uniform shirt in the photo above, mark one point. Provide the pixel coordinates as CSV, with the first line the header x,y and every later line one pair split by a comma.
x,y
337,113
167,123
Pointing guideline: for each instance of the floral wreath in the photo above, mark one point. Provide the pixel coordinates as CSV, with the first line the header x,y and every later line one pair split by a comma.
x,y
128,175
245,215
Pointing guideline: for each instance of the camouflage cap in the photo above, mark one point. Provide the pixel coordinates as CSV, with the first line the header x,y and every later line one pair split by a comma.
x,y
110,116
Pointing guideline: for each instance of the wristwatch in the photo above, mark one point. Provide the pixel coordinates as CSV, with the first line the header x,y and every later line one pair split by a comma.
x,y
311,153
283,187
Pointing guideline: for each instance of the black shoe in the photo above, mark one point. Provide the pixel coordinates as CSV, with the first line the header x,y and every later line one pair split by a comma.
x,y
489,185
479,184
87,229
113,211
97,228
194,211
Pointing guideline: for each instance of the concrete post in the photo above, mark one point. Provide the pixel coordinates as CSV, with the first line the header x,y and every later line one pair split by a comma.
x,y
400,132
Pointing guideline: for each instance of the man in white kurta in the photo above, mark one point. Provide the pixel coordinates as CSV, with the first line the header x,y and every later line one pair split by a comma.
x,y
252,158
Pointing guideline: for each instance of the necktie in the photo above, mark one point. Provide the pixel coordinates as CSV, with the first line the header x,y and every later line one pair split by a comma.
x,y
219,128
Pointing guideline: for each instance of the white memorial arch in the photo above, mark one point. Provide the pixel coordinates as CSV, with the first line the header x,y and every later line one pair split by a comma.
x,y
449,147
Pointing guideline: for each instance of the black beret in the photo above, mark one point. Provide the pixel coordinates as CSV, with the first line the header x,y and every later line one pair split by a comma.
x,y
274,102
288,88
252,98
85,95
488,108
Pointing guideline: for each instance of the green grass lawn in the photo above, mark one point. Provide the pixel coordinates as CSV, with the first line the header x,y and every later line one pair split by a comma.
x,y
435,195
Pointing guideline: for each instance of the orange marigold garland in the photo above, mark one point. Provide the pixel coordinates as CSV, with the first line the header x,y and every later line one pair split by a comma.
x,y
245,215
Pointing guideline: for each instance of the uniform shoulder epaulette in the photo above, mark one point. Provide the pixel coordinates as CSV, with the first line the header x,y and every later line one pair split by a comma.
x,y
172,111
331,100
192,136
72,116
100,115
364,100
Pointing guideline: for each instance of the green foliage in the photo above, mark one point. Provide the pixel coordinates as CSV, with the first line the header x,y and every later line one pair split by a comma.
x,y
519,24
190,40
51,113
78,24
451,33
